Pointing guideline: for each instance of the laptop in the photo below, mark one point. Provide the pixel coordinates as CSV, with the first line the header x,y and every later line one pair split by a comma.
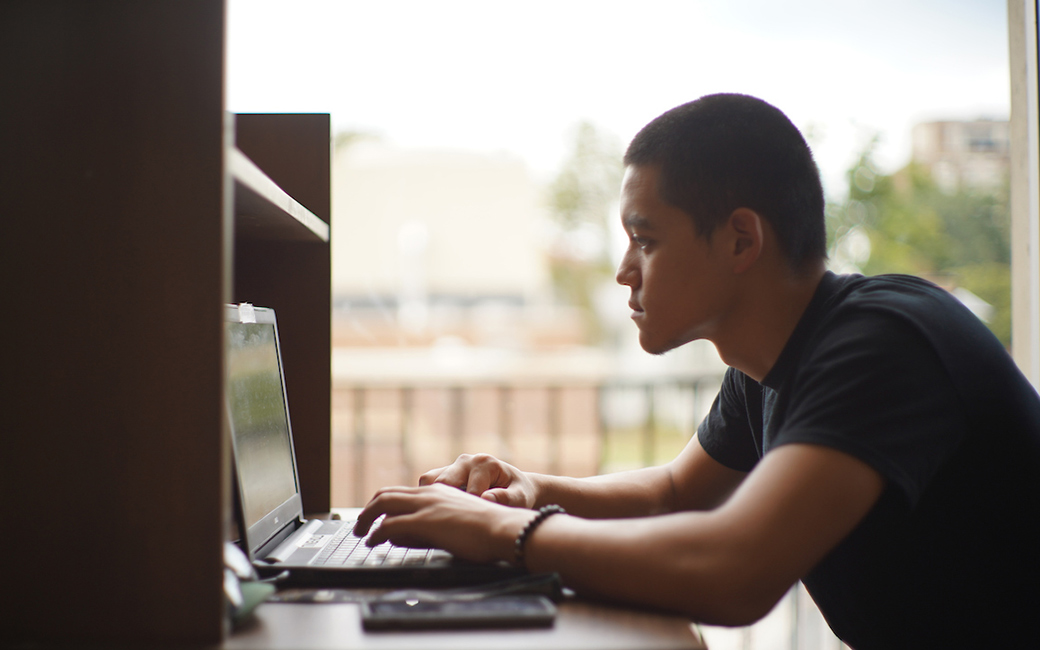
x,y
322,551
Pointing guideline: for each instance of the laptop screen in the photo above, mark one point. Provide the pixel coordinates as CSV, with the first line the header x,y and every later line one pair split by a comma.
x,y
259,418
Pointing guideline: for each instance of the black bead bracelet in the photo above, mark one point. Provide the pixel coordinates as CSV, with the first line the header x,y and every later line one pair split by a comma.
x,y
521,540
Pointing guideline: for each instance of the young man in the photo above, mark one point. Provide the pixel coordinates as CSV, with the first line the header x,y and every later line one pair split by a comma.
x,y
871,437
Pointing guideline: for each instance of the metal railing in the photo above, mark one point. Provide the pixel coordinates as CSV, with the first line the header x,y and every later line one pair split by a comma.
x,y
385,430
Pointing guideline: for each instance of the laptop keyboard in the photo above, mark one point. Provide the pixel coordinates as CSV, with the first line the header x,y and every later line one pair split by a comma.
x,y
347,549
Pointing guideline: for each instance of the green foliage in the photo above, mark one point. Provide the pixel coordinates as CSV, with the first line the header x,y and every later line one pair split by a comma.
x,y
588,183
345,139
958,239
580,201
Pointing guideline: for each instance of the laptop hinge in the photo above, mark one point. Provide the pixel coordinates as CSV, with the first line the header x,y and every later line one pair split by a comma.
x,y
289,546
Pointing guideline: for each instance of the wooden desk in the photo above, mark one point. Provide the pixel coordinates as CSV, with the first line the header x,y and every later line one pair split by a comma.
x,y
579,626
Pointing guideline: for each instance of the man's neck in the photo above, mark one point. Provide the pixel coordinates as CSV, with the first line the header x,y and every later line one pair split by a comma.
x,y
772,307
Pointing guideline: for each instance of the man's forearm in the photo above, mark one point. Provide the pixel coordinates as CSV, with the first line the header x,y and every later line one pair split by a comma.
x,y
635,493
728,565
684,562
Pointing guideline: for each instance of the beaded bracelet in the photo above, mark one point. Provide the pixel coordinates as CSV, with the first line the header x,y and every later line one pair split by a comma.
x,y
521,540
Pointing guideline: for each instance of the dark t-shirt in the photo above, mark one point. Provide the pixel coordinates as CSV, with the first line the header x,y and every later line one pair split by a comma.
x,y
897,373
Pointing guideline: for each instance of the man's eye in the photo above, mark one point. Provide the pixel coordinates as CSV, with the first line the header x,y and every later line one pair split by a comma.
x,y
640,241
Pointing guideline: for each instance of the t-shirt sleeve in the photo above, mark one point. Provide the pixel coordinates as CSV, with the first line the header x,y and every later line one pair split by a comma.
x,y
874,388
725,433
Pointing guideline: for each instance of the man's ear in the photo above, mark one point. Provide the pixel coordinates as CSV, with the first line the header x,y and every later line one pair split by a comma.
x,y
746,229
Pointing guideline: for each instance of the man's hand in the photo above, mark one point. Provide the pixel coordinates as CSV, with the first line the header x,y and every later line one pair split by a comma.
x,y
437,516
487,477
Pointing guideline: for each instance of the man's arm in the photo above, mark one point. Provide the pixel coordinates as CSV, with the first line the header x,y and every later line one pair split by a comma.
x,y
727,566
693,481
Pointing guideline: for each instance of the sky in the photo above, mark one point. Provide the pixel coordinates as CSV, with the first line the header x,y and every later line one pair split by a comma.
x,y
518,77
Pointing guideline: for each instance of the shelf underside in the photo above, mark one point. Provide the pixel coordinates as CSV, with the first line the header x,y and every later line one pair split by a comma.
x,y
264,211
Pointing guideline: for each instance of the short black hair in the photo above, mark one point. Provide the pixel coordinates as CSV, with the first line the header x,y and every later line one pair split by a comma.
x,y
728,151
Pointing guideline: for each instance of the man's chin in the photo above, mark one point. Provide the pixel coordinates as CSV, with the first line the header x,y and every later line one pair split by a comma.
x,y
656,347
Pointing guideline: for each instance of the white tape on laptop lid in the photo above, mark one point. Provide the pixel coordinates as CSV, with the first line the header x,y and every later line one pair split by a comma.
x,y
246,313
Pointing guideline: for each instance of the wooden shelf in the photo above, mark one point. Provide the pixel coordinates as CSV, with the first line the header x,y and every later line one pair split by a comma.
x,y
264,211
153,203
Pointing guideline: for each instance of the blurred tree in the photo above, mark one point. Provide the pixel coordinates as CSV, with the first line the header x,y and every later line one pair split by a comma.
x,y
580,201
903,223
344,139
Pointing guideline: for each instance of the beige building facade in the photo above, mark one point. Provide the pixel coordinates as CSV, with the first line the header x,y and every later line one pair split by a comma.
x,y
970,155
432,226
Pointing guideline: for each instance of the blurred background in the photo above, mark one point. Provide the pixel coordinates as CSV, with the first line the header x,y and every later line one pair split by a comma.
x,y
476,165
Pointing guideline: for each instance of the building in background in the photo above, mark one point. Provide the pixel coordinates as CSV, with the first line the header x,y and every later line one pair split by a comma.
x,y
433,244
970,155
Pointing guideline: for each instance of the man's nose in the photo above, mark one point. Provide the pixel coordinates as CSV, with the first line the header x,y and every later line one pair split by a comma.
x,y
626,274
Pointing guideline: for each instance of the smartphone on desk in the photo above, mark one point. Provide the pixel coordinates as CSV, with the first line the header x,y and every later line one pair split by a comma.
x,y
523,610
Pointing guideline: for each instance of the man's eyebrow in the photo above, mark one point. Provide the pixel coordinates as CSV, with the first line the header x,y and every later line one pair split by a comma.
x,y
633,221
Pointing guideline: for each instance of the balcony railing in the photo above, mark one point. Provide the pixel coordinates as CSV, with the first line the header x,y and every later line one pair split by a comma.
x,y
389,432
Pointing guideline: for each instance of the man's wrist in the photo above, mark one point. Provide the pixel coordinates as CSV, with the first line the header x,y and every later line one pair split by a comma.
x,y
510,527
520,544
543,489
